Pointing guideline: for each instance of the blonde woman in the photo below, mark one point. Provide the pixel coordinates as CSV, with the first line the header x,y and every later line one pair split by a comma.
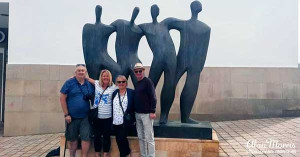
x,y
104,88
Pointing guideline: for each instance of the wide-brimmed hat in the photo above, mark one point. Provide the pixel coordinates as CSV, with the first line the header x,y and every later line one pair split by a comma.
x,y
138,66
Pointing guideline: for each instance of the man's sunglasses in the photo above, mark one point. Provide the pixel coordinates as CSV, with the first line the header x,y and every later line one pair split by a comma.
x,y
77,65
138,71
121,81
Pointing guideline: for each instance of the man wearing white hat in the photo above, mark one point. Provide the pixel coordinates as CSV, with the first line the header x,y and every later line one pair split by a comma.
x,y
144,105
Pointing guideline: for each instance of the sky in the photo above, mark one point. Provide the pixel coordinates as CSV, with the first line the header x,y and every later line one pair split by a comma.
x,y
232,26
247,39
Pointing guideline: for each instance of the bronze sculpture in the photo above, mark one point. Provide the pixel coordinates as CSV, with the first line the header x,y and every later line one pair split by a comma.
x,y
194,41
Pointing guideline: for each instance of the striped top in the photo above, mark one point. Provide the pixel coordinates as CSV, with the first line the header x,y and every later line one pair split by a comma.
x,y
104,107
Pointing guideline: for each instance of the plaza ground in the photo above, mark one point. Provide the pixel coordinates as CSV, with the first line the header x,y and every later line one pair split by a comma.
x,y
257,137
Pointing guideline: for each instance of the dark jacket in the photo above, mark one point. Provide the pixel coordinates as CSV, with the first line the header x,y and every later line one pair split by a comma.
x,y
144,97
130,97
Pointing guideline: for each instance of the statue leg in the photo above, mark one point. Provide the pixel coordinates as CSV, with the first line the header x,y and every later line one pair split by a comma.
x,y
180,70
133,78
124,70
155,72
93,70
188,95
129,72
113,67
167,94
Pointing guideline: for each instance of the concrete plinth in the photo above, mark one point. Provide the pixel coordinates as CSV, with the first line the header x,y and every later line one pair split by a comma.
x,y
165,147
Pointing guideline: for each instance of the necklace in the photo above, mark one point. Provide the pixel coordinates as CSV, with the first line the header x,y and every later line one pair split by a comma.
x,y
123,92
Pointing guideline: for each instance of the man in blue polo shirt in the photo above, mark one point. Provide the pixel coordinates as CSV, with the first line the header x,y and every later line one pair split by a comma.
x,y
75,105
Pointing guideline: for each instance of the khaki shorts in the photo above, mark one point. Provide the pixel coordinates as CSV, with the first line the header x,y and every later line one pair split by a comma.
x,y
79,128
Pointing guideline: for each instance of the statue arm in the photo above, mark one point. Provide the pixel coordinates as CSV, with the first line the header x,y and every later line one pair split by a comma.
x,y
173,23
205,49
114,24
84,36
142,27
110,30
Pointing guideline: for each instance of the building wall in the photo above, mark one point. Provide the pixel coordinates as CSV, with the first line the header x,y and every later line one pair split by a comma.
x,y
32,95
248,33
250,71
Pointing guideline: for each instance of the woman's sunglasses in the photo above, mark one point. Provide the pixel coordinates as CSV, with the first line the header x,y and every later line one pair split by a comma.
x,y
121,81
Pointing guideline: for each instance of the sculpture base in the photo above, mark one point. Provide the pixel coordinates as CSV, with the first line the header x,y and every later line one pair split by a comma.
x,y
164,147
176,129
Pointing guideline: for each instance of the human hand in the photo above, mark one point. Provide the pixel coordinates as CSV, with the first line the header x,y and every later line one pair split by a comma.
x,y
152,115
68,119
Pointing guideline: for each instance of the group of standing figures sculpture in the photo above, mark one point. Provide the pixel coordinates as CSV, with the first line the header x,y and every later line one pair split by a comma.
x,y
194,41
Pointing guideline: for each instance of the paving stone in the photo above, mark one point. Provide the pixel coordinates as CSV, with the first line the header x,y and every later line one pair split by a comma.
x,y
222,155
233,136
234,154
273,155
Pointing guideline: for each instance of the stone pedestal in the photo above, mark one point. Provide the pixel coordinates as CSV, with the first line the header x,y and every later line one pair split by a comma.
x,y
176,129
165,147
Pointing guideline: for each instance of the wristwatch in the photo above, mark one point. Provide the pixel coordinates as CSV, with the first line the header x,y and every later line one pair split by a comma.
x,y
66,115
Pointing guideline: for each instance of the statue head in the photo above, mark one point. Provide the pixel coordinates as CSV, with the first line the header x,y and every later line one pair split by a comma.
x,y
98,12
135,13
196,7
154,11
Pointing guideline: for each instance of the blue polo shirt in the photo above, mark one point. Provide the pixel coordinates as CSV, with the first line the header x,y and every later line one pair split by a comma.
x,y
77,106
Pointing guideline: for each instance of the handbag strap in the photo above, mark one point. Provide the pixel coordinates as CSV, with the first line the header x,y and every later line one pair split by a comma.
x,y
120,102
87,87
101,96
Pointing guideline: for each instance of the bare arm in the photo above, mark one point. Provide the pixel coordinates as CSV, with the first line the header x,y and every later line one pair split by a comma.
x,y
92,81
63,102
